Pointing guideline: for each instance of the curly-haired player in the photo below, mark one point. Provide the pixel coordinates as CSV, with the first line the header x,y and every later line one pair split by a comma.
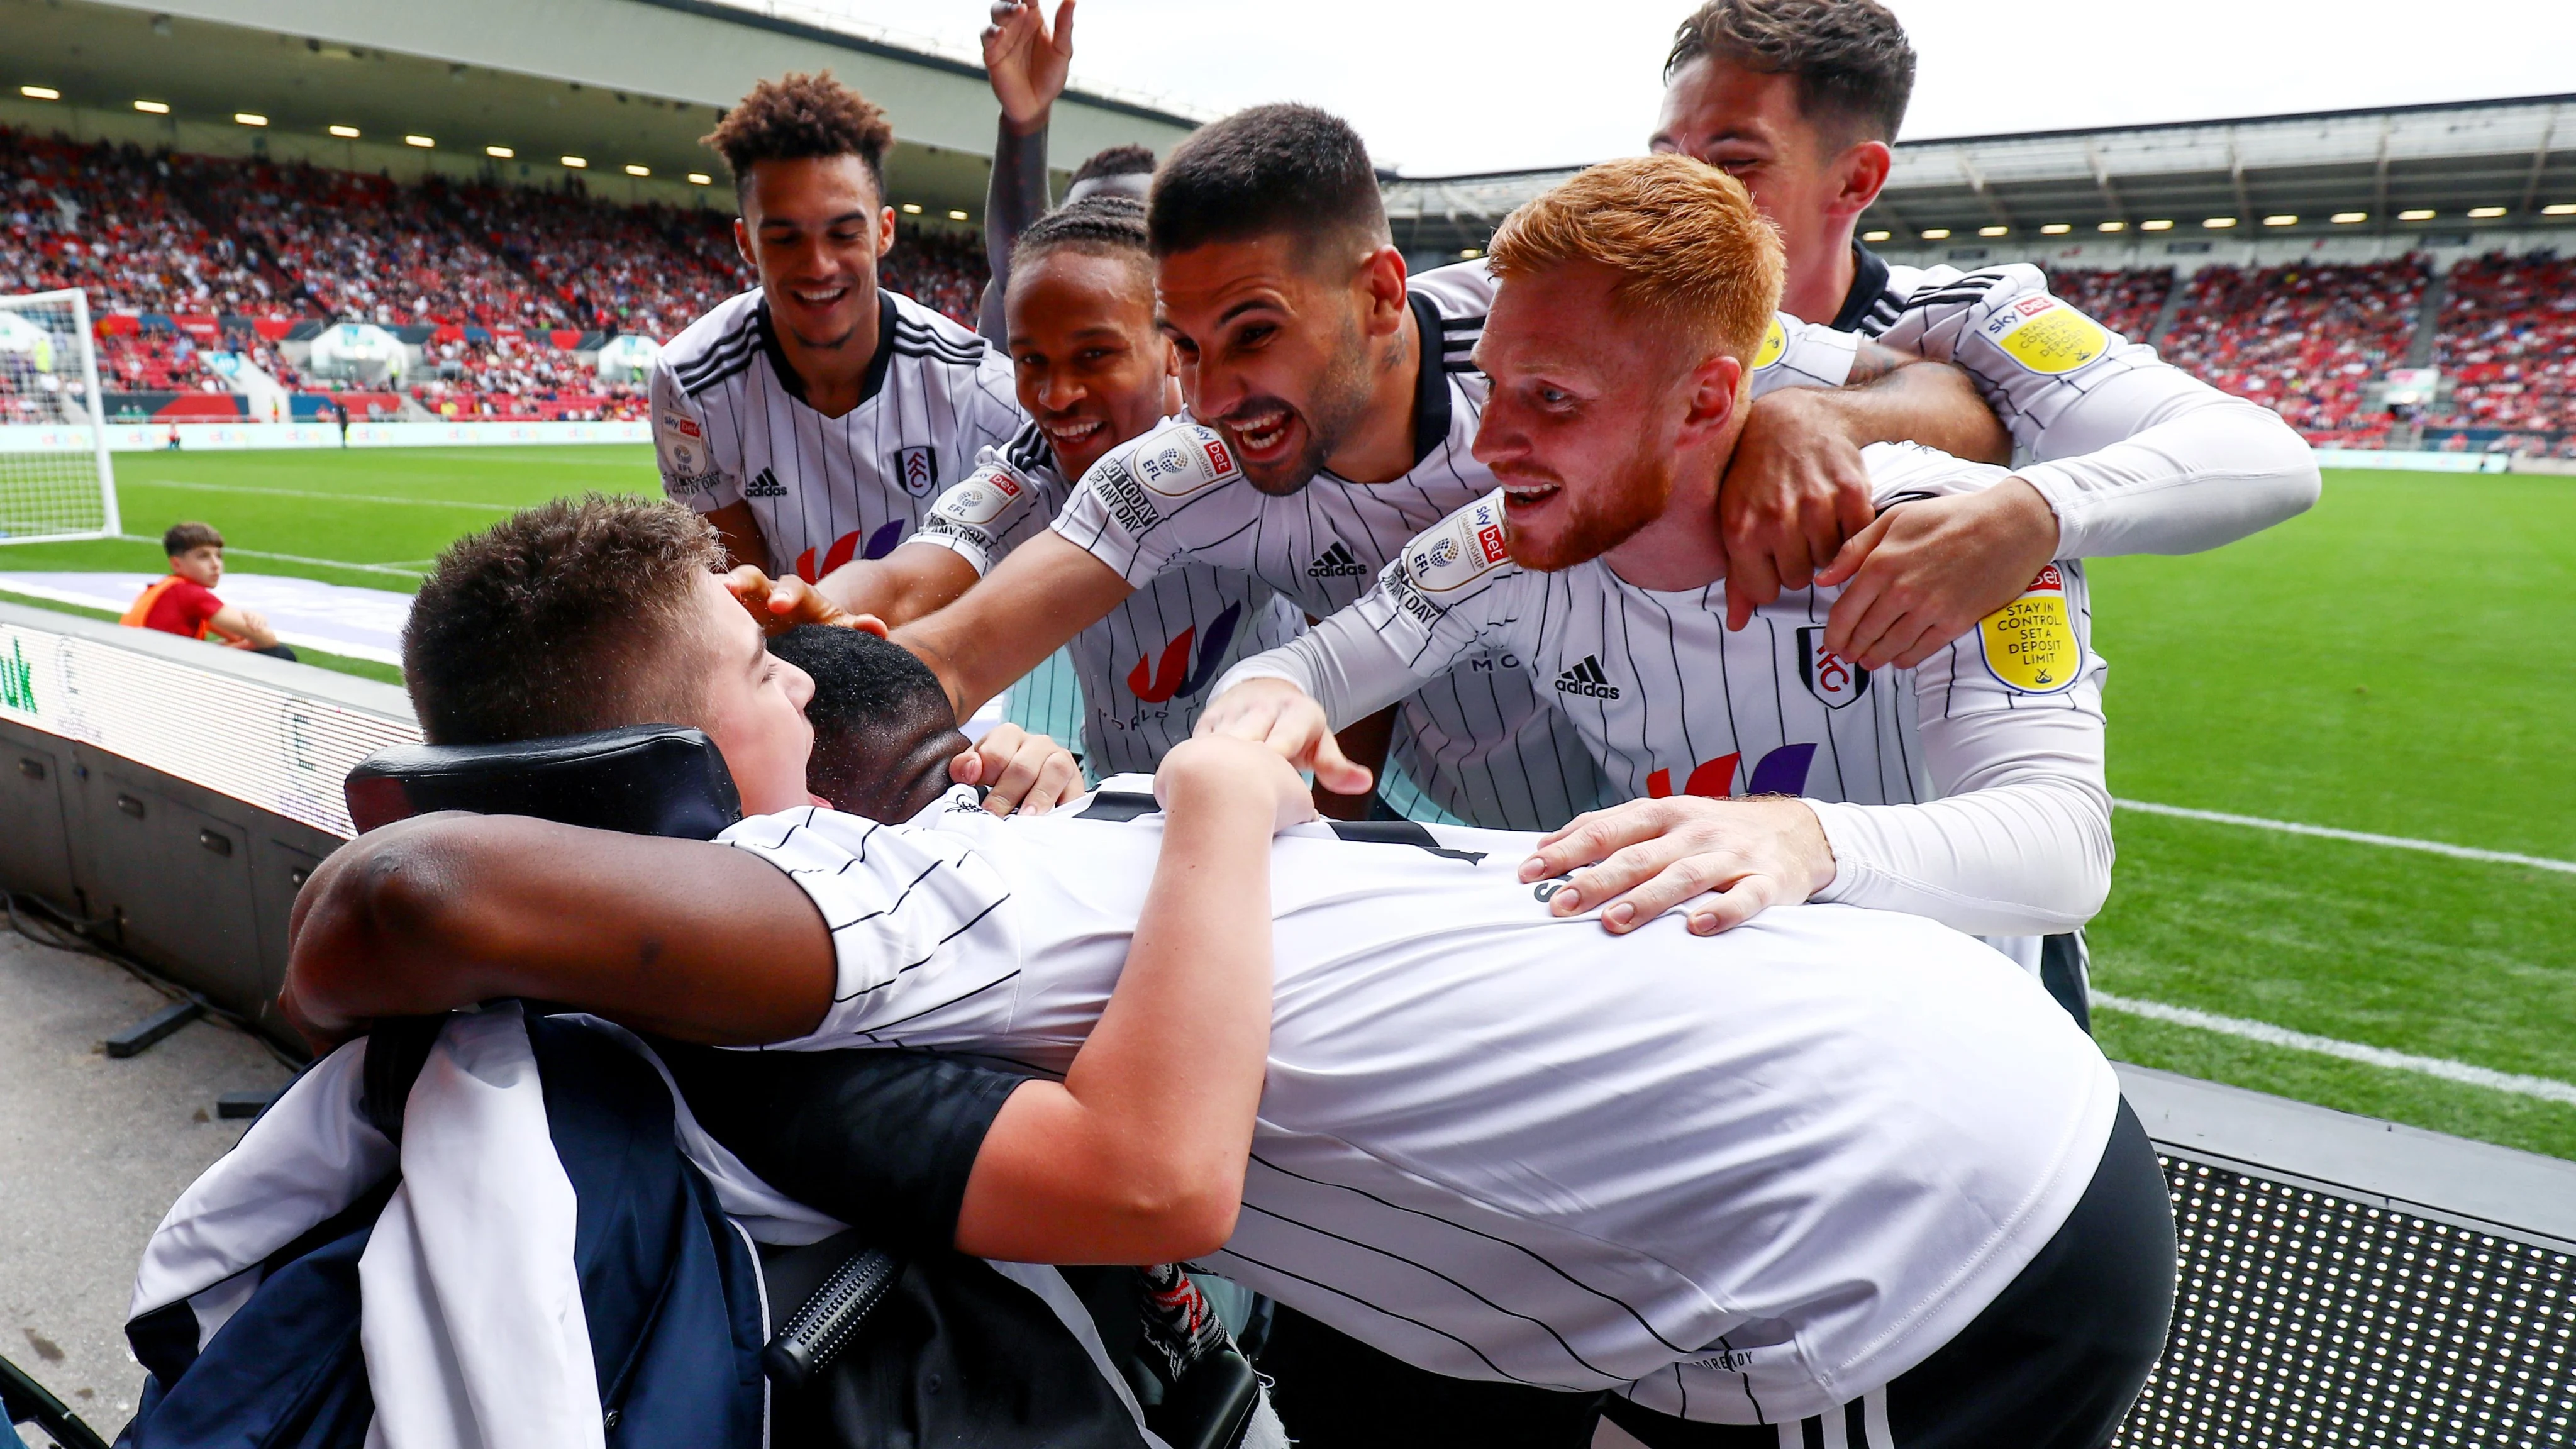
x,y
814,419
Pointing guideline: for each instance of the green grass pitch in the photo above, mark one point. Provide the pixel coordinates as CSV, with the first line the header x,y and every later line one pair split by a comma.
x,y
2397,661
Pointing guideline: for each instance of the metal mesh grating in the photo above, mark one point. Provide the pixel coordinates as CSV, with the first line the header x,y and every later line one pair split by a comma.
x,y
2305,1319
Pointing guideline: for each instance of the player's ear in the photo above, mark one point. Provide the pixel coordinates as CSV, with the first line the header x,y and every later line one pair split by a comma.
x,y
885,230
1382,278
1716,391
742,244
1859,172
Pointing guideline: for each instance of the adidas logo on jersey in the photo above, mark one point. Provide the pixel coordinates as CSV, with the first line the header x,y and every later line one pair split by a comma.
x,y
1336,563
765,484
1586,679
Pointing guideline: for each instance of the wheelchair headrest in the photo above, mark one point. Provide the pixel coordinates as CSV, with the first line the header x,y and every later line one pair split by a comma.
x,y
642,779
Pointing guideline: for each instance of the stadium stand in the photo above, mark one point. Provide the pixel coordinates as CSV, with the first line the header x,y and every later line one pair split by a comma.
x,y
2305,340
2127,301
186,258
2508,340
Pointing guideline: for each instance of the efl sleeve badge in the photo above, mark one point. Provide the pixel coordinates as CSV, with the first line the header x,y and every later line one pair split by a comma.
x,y
2030,643
2046,336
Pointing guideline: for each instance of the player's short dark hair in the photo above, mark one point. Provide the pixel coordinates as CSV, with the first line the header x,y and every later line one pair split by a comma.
x,y
185,536
1264,172
574,615
1100,226
798,116
862,684
1855,68
1116,161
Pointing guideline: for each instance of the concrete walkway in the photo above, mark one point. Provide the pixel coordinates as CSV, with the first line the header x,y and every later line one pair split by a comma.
x,y
92,1153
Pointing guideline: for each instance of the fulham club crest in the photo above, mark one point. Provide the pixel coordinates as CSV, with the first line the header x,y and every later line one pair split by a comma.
x,y
1828,676
917,469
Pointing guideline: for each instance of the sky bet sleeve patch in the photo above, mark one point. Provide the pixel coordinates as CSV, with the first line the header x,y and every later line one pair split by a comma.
x,y
1775,345
2030,643
2046,336
1459,549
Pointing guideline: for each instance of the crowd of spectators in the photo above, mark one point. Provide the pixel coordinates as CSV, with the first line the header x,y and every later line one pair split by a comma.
x,y
2508,347
2127,301
103,218
503,379
2307,340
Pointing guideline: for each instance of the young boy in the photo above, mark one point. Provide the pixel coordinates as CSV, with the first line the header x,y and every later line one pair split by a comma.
x,y
1835,1162
185,604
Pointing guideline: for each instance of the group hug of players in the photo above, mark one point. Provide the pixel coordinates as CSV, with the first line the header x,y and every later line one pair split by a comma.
x,y
1679,527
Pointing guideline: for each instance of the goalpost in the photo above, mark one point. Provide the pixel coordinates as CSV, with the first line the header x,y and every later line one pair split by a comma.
x,y
55,479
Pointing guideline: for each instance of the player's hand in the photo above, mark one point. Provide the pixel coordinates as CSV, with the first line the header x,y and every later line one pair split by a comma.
x,y
1277,713
1926,572
1225,762
782,604
1794,490
1020,771
1726,861
1026,61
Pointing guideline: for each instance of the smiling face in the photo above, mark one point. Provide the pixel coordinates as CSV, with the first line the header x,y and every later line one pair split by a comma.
x,y
1811,179
814,229
1273,347
754,703
1092,370
1579,429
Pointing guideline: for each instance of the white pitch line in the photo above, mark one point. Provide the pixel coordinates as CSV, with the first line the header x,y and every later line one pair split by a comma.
x,y
2363,837
325,497
231,551
2545,1088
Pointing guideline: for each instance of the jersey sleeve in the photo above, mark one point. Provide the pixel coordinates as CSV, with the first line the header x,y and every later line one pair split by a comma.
x,y
690,473
2133,454
1441,601
1802,354
1125,511
995,509
919,920
988,412
883,1140
2018,840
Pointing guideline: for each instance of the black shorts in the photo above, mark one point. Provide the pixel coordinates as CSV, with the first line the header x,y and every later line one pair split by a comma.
x,y
2053,1363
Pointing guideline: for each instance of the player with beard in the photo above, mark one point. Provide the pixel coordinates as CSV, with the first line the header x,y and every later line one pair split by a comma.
x,y
1092,373
1969,789
1799,100
1333,405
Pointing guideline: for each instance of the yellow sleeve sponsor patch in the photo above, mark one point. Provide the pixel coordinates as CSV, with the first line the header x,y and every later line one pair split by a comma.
x,y
1775,345
2030,643
2046,336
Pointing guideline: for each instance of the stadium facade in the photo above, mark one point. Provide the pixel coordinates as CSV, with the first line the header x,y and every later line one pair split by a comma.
x,y
618,84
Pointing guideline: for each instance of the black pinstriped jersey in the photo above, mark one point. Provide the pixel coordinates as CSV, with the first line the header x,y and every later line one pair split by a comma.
x,y
731,425
1145,669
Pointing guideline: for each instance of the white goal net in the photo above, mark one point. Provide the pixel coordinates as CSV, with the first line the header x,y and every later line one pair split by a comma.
x,y
54,476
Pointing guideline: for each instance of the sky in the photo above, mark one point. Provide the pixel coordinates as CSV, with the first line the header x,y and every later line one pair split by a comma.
x,y
1458,86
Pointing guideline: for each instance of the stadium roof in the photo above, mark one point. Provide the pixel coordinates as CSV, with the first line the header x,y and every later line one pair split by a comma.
x,y
2514,158
617,83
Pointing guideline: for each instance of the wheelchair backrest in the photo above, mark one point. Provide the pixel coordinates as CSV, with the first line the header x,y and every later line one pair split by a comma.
x,y
656,779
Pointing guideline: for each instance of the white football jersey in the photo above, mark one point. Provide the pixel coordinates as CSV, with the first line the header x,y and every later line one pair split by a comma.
x,y
1669,701
1477,742
1144,669
1753,1176
2133,454
730,425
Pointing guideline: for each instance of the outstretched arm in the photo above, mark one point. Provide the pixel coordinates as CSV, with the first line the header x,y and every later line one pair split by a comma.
x,y
443,911
1047,591
1138,1155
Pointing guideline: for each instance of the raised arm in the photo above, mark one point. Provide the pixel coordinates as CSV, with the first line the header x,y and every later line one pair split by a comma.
x,y
1138,1155
443,911
1044,593
1027,63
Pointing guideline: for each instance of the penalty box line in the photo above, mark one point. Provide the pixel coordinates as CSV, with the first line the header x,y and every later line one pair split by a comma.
x,y
231,551
2544,1088
2361,837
